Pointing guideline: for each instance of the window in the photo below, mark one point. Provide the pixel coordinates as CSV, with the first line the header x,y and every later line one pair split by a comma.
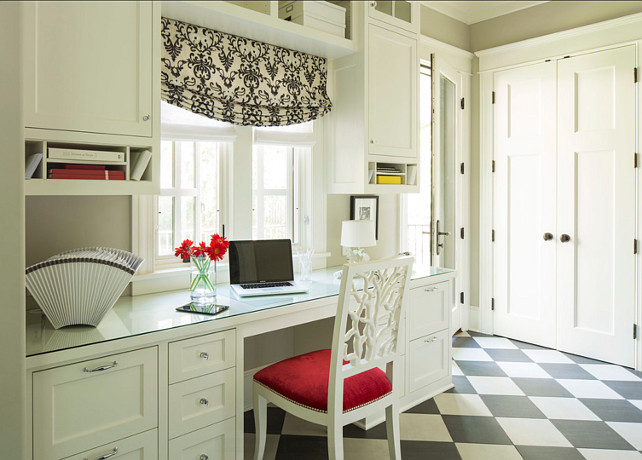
x,y
418,206
190,195
279,182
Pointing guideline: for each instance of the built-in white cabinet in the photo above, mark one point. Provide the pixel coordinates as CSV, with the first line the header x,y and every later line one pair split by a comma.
x,y
88,66
400,13
428,348
142,446
90,404
372,131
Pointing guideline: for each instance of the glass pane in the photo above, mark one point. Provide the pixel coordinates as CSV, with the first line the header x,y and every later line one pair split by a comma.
x,y
419,204
165,225
166,165
275,217
187,164
384,6
187,218
275,168
402,10
209,178
447,171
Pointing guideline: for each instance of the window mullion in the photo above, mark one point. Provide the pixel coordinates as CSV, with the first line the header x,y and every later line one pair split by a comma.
x,y
178,203
197,196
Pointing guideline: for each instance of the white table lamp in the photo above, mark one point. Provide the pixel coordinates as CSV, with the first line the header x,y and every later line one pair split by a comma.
x,y
357,235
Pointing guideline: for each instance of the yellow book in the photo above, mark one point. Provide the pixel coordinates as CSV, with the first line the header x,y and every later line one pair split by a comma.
x,y
388,179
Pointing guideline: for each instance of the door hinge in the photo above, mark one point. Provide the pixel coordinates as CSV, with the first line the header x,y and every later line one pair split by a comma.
x,y
461,233
635,160
492,303
635,74
461,297
635,331
462,103
493,97
493,166
492,235
635,246
461,168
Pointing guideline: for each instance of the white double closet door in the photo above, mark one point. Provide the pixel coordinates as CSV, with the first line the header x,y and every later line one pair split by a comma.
x,y
564,204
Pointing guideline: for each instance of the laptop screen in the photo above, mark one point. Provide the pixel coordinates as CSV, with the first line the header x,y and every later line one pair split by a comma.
x,y
260,260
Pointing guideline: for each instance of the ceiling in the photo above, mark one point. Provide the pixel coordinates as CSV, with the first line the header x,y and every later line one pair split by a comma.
x,y
472,12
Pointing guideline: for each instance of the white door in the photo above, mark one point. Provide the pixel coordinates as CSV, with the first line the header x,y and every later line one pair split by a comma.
x,y
596,205
524,203
446,149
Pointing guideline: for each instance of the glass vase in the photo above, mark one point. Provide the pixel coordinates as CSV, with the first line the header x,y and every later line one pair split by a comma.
x,y
202,285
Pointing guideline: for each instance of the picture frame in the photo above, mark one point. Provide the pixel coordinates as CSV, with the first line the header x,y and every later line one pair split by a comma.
x,y
365,207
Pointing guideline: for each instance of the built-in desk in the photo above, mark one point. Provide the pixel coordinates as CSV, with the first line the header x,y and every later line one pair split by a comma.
x,y
178,381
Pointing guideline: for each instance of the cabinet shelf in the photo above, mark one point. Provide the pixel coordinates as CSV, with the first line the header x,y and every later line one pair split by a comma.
x,y
254,23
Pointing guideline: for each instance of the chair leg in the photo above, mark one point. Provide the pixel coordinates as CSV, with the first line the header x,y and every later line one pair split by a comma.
x,y
392,429
260,425
335,441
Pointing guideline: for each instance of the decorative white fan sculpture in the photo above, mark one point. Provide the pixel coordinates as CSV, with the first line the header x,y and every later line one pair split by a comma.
x,y
80,286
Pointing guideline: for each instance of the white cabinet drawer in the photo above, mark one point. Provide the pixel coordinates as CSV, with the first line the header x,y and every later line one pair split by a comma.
x,y
143,446
83,405
215,442
202,401
428,310
198,356
427,360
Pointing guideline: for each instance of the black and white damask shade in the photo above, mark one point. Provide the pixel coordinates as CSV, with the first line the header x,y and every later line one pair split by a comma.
x,y
238,80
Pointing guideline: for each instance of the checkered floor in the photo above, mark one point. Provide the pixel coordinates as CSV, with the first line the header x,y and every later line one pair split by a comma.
x,y
511,400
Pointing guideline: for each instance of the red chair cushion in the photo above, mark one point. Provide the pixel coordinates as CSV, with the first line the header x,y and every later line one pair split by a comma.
x,y
304,381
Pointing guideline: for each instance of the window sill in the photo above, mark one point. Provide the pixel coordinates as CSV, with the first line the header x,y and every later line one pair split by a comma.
x,y
171,279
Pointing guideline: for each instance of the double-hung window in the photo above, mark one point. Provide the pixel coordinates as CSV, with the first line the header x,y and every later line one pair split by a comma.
x,y
193,170
281,184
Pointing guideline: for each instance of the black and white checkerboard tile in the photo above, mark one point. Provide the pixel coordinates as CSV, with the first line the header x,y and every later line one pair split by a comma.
x,y
511,400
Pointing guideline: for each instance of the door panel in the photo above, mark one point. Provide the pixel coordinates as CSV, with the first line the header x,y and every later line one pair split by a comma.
x,y
596,268
524,193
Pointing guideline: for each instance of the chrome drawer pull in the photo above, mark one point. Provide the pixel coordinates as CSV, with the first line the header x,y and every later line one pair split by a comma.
x,y
101,368
204,355
430,289
431,339
204,401
103,457
203,457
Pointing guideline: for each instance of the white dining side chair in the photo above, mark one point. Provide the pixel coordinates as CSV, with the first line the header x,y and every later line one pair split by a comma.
x,y
345,384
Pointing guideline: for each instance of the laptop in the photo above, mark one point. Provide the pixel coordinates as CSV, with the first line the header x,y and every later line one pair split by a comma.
x,y
262,267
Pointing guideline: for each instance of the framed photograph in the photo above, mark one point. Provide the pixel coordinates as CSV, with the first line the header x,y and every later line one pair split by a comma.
x,y
364,207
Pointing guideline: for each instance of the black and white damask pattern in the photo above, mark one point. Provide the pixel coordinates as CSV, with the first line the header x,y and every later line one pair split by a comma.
x,y
238,80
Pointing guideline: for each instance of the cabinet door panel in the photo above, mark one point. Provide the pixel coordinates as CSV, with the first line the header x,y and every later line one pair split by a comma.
x,y
427,310
215,442
88,66
79,406
428,360
199,402
392,93
143,446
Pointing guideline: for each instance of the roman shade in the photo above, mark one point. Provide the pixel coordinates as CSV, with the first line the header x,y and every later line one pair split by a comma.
x,y
238,80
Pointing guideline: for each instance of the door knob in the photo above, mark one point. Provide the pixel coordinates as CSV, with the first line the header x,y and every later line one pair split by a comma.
x,y
548,236
565,238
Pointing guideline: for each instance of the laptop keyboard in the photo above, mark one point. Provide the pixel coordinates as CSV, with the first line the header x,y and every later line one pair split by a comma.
x,y
265,285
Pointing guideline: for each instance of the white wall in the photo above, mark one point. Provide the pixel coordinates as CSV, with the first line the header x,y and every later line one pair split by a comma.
x,y
12,324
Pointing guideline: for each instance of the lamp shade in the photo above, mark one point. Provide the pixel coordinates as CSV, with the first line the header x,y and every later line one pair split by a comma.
x,y
358,233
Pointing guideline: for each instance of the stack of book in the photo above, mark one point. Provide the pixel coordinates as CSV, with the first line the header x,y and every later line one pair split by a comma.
x,y
86,172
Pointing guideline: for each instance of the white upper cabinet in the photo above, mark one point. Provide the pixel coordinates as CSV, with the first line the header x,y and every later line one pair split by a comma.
x,y
400,13
392,93
372,131
88,66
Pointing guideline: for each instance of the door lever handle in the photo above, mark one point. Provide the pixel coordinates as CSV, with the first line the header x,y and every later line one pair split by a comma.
x,y
548,236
